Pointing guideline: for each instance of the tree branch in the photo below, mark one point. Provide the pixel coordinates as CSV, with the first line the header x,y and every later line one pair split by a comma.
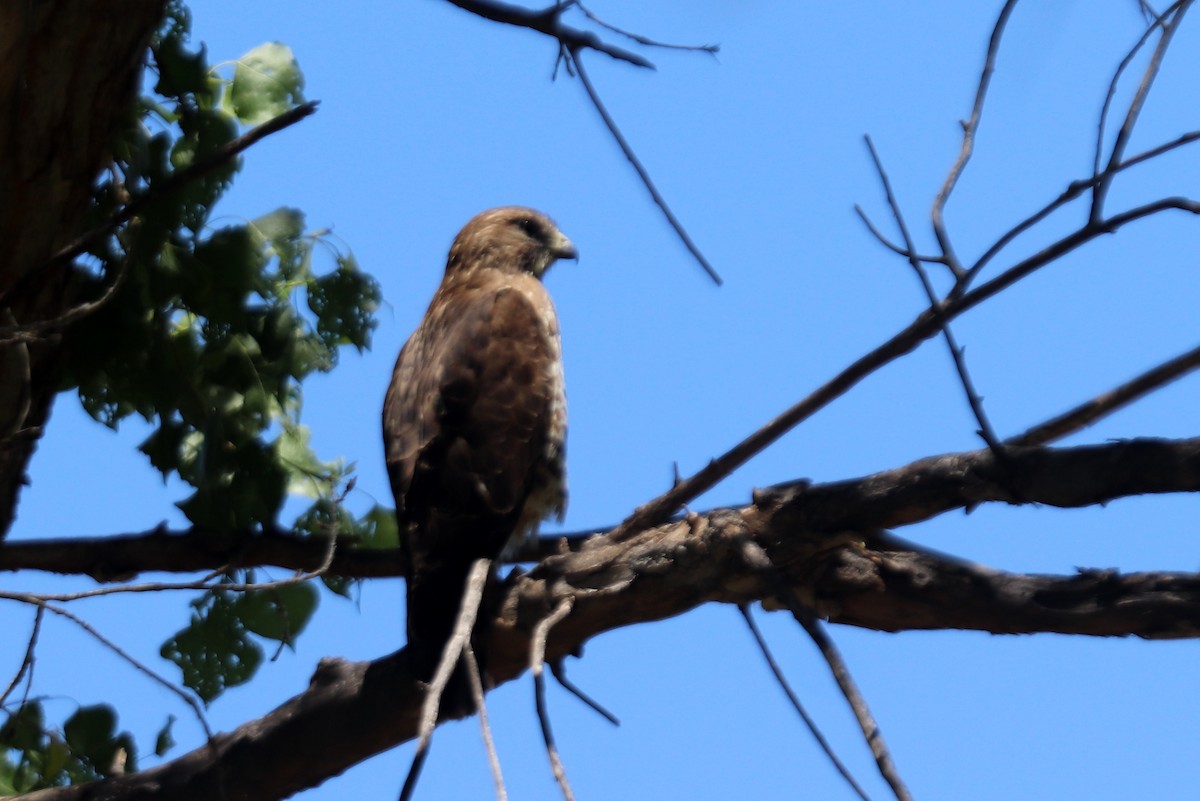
x,y
351,711
549,22
1063,477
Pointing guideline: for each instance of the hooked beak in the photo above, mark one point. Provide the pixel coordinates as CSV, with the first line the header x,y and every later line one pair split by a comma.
x,y
563,248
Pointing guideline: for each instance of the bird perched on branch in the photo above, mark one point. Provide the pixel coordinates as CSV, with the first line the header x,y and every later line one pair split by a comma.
x,y
475,422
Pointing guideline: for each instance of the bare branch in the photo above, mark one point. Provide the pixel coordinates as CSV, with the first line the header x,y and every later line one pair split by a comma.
x,y
537,661
758,560
28,660
1154,22
452,652
923,327
1105,404
120,557
799,707
549,22
659,200
27,332
187,698
489,744
642,40
892,246
207,584
935,306
970,127
560,675
1168,23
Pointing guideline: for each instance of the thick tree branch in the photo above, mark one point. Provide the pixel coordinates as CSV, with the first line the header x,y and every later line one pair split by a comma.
x,y
1063,477
352,711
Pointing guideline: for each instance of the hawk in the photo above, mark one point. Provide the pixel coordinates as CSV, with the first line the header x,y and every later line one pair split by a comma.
x,y
475,421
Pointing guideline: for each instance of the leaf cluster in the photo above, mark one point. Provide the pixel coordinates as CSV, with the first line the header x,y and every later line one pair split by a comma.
x,y
207,333
89,746
212,331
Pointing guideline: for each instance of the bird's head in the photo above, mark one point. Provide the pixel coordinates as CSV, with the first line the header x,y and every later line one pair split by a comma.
x,y
511,239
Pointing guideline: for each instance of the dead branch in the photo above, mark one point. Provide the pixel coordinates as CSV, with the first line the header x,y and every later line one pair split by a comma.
x,y
1168,23
452,652
974,401
811,724
659,200
642,40
758,560
1106,403
537,661
489,743
352,711
549,22
970,128
29,658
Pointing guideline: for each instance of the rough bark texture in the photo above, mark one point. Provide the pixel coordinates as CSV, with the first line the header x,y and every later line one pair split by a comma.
x,y
352,711
1062,477
68,73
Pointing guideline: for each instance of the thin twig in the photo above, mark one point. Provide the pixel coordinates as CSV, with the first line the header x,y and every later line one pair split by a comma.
x,y
1103,405
28,660
489,744
219,158
611,124
560,675
642,40
537,660
660,509
758,560
970,128
1100,192
1111,94
28,332
451,653
116,649
1074,190
799,707
548,21
890,245
935,305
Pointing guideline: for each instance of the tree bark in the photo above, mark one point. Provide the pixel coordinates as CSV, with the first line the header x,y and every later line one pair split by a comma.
x,y
69,70
1062,477
352,711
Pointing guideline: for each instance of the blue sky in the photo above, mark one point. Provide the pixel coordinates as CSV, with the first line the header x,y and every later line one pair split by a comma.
x,y
429,115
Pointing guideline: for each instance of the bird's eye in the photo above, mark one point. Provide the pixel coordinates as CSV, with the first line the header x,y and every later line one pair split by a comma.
x,y
528,226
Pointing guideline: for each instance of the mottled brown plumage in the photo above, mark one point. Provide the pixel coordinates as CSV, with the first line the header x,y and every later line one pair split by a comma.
x,y
474,423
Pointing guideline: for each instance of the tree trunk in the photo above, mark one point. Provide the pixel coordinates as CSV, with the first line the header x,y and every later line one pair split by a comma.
x,y
69,70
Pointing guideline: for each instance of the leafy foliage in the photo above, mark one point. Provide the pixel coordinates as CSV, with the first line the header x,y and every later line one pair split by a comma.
x,y
88,747
207,334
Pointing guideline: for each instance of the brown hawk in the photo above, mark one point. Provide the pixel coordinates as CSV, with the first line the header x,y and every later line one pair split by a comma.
x,y
475,420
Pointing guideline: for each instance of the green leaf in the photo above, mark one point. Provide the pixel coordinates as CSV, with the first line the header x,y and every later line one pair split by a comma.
x,y
163,741
378,528
23,730
307,475
180,71
163,447
266,83
91,735
214,652
344,302
278,614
